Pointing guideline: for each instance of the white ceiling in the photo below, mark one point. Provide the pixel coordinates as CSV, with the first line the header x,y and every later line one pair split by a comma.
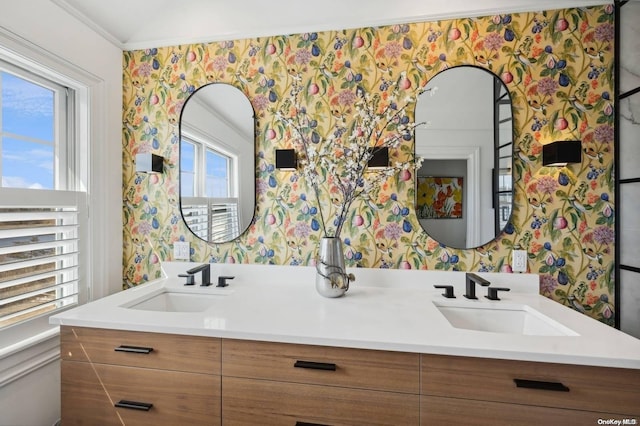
x,y
139,24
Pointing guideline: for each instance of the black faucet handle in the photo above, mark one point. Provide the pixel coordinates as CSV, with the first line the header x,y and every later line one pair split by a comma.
x,y
492,292
222,281
191,279
448,290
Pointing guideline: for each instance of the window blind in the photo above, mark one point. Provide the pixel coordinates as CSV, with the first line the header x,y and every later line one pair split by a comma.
x,y
212,219
40,245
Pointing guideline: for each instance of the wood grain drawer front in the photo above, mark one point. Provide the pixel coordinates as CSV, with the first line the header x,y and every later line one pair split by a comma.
x,y
442,411
90,392
265,402
598,389
357,368
137,349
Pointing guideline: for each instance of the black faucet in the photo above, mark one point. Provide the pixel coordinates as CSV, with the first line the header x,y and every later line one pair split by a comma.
x,y
206,274
471,281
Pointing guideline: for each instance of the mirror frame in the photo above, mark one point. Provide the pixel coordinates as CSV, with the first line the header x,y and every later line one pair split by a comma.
x,y
473,165
242,227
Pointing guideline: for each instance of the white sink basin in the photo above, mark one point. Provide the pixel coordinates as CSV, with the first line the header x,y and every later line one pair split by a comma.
x,y
175,302
507,319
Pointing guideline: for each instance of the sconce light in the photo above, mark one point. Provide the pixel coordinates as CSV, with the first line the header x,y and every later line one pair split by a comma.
x,y
149,163
379,158
561,153
286,159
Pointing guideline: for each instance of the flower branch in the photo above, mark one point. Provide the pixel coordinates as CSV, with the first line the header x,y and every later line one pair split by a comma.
x,y
338,162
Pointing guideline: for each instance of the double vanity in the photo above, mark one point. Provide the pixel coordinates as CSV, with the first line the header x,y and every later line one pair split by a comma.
x,y
267,349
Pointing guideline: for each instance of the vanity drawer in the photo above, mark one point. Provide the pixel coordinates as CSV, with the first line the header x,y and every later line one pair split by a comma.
x,y
542,384
441,411
90,392
265,402
354,368
138,349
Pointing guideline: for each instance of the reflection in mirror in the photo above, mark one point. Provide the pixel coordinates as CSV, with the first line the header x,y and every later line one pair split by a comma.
x,y
464,187
217,172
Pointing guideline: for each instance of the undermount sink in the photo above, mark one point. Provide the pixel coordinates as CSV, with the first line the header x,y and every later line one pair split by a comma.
x,y
175,302
507,319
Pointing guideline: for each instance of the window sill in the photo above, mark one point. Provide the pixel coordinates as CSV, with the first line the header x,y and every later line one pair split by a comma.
x,y
28,355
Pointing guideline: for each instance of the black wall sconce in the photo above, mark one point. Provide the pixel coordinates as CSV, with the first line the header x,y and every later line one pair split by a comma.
x,y
149,163
379,158
286,159
561,153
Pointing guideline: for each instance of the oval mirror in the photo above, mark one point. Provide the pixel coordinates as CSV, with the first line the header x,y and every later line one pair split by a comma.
x,y
217,156
464,188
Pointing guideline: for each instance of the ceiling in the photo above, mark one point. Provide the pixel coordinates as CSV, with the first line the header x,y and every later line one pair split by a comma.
x,y
139,24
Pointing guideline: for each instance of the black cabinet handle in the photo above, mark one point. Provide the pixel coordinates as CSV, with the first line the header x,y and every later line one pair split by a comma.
x,y
310,424
536,384
133,349
134,405
329,366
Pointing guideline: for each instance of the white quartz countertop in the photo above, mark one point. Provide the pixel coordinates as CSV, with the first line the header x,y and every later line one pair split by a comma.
x,y
384,309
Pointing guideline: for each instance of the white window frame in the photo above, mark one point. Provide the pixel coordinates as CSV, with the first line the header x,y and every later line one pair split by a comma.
x,y
202,145
24,352
64,100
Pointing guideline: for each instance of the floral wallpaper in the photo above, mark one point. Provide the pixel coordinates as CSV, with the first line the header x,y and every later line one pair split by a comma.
x,y
557,65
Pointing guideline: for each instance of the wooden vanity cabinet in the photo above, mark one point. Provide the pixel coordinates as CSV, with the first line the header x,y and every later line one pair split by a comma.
x,y
109,375
479,391
274,383
115,377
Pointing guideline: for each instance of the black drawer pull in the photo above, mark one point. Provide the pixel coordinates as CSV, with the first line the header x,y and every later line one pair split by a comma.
x,y
536,384
329,366
133,349
309,424
134,405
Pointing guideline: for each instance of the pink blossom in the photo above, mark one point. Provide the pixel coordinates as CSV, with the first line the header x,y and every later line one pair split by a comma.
x,y
603,134
346,98
493,41
302,57
302,230
547,284
603,235
547,86
547,184
219,63
604,32
144,228
144,69
393,231
393,50
260,102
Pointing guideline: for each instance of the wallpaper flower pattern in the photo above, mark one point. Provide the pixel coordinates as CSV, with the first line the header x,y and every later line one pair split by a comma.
x,y
557,65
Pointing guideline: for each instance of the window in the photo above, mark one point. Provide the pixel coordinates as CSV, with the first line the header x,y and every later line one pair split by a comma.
x,y
206,190
187,168
217,174
42,216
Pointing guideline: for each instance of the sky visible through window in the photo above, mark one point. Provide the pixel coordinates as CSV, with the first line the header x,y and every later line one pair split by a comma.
x,y
216,179
28,123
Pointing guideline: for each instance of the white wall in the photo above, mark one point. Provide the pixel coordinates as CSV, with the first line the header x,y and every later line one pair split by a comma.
x,y
41,30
